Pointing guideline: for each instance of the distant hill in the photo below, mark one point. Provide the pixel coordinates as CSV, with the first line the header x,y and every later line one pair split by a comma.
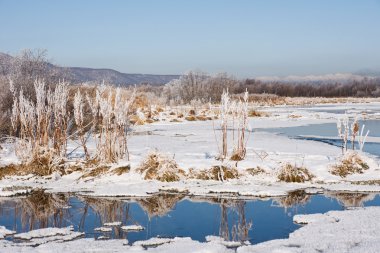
x,y
78,74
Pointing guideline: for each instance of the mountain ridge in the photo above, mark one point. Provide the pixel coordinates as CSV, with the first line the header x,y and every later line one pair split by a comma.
x,y
83,74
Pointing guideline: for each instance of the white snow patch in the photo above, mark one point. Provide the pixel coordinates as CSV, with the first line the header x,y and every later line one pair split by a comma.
x,y
132,228
103,229
112,224
4,232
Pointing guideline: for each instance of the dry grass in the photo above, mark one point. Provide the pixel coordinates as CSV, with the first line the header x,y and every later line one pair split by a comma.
x,y
366,182
191,118
236,156
8,171
255,171
149,121
255,113
135,120
121,170
351,164
202,117
294,174
216,173
160,167
96,172
294,116
41,165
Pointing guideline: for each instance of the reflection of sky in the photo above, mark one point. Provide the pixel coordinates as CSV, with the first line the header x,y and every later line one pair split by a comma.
x,y
187,219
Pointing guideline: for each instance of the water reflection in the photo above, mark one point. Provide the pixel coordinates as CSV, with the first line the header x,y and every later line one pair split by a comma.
x,y
293,199
169,215
37,210
349,199
160,204
239,226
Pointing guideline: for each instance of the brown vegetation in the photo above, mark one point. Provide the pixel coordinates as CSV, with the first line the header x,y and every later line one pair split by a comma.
x,y
351,164
255,113
294,174
217,173
255,171
160,167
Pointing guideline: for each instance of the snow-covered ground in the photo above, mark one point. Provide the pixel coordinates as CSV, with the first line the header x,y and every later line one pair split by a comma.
x,y
193,145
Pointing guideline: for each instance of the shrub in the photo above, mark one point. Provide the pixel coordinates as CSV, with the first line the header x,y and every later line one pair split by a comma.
x,y
217,173
350,164
294,174
255,113
255,171
160,167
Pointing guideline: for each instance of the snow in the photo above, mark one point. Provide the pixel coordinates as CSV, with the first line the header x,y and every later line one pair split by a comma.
x,y
333,232
312,218
110,224
44,232
103,229
4,232
132,228
193,146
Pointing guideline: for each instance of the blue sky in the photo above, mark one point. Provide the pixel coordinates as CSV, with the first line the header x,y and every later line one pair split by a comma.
x,y
245,38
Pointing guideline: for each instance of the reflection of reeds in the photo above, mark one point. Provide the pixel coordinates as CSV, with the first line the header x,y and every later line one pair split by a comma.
x,y
39,207
298,197
239,229
107,210
348,199
160,204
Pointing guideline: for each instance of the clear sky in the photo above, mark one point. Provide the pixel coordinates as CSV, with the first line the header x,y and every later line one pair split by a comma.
x,y
245,38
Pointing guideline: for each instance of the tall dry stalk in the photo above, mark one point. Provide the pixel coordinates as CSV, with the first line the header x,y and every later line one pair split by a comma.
x,y
343,132
38,122
78,117
354,131
111,111
224,115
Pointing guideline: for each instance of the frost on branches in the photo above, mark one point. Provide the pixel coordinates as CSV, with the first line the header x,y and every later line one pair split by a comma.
x,y
235,113
42,125
352,132
111,114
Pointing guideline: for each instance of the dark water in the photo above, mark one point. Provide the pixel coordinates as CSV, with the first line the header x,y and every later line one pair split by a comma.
x,y
168,215
369,147
328,130
325,129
